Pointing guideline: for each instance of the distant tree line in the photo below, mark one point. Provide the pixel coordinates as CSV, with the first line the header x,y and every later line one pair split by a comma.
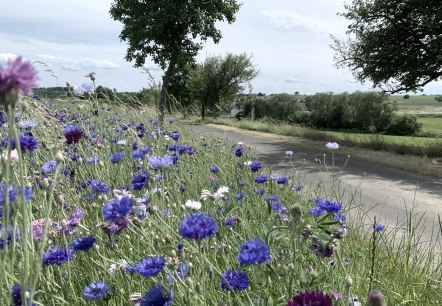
x,y
359,111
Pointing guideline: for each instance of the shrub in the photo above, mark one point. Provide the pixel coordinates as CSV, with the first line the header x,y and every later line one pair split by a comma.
x,y
403,125
438,98
407,96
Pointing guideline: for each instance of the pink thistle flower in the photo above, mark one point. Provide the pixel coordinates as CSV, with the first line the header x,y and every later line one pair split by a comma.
x,y
18,74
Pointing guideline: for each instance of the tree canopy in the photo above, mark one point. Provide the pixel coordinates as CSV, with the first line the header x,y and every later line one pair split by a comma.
x,y
220,79
171,32
396,44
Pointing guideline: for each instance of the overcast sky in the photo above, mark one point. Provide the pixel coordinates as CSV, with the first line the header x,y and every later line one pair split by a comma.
x,y
289,40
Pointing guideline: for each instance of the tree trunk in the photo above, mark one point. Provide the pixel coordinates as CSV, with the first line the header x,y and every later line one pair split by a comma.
x,y
203,110
164,93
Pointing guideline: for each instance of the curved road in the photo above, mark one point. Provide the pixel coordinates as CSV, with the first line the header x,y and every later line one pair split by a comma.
x,y
384,193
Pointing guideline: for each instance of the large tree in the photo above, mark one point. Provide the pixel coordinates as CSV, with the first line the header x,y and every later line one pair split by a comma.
x,y
396,44
171,32
219,79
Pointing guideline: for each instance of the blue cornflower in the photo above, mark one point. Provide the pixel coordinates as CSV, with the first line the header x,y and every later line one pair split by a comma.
x,y
49,167
16,296
160,162
239,152
83,243
58,256
28,143
240,196
180,274
278,207
272,198
116,157
198,226
234,280
329,205
139,153
117,208
298,188
11,193
97,291
254,252
8,236
378,227
340,218
175,136
28,192
214,169
260,191
25,124
317,212
151,265
282,180
242,184
3,118
158,296
99,186
93,160
261,179
139,181
255,166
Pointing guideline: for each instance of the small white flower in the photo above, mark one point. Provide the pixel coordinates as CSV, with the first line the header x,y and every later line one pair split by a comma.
x,y
248,163
205,194
332,145
122,142
122,193
289,153
219,194
192,204
240,143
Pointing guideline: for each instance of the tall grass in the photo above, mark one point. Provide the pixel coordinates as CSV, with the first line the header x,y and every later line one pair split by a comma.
x,y
323,253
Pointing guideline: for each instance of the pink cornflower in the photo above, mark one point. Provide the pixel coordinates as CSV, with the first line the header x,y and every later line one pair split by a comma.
x,y
38,228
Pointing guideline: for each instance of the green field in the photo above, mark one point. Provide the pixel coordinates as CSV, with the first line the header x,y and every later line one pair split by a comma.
x,y
431,124
418,105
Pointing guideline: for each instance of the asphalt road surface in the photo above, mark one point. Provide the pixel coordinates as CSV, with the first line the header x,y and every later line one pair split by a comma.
x,y
387,194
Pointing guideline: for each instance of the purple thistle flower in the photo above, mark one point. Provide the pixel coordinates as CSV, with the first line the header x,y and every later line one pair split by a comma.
x,y
198,226
97,291
151,265
308,298
73,133
234,280
83,243
254,252
18,74
117,208
158,296
58,256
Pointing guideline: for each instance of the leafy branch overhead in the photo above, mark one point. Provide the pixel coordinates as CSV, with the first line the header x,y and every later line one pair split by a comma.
x,y
395,44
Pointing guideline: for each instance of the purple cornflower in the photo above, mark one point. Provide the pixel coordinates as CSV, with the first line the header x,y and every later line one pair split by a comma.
x,y
255,166
58,256
254,252
278,207
139,181
99,186
117,208
16,296
73,221
234,280
97,291
282,180
160,162
49,167
198,226
151,265
378,227
73,133
261,179
28,143
240,196
308,298
116,157
117,226
239,152
83,243
18,74
158,296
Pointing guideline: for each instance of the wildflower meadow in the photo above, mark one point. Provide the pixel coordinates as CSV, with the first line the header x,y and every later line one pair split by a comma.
x,y
101,204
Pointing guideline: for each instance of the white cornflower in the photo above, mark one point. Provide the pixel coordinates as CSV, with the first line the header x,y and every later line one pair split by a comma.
x,y
332,145
192,204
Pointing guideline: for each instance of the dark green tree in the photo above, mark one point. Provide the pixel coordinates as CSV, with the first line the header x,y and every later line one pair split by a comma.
x,y
218,80
171,32
396,44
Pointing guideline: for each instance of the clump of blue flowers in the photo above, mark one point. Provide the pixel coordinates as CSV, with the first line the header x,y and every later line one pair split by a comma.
x,y
198,226
254,252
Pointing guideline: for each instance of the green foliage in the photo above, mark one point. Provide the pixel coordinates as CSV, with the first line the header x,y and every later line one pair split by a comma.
x,y
438,98
393,43
407,96
170,32
278,107
404,125
216,82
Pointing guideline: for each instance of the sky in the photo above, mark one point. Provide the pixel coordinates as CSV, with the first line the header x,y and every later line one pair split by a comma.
x,y
289,41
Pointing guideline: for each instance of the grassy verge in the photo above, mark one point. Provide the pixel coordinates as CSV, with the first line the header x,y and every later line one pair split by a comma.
x,y
416,154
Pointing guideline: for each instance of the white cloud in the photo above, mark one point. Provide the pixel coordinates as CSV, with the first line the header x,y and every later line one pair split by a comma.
x,y
4,57
77,64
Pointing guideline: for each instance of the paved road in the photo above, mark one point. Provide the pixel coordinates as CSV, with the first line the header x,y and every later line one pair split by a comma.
x,y
382,192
